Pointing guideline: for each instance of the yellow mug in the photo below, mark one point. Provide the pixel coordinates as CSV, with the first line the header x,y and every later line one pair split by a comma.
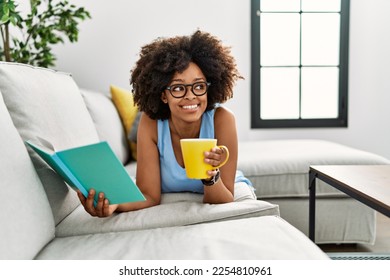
x,y
193,155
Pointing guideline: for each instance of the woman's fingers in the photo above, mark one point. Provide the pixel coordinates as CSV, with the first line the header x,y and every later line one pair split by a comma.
x,y
214,157
102,207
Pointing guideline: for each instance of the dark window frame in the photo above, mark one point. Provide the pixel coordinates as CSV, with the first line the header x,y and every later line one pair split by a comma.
x,y
342,120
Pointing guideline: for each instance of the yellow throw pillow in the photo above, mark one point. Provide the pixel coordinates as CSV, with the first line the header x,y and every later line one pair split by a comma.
x,y
124,103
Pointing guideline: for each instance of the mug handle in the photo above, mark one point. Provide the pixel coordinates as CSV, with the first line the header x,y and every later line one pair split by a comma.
x,y
227,156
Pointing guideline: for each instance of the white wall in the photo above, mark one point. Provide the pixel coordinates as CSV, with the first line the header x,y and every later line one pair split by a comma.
x,y
109,44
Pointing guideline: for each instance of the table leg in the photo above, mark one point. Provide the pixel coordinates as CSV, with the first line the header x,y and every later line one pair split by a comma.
x,y
312,204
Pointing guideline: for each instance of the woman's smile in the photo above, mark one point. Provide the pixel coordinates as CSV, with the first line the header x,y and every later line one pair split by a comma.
x,y
190,107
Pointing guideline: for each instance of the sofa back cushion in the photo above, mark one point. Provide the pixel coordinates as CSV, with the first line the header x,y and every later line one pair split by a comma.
x,y
48,104
26,219
280,168
107,122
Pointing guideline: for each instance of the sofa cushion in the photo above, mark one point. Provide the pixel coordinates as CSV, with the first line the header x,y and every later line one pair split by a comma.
x,y
176,209
242,192
107,122
26,220
267,238
131,168
48,104
127,110
280,168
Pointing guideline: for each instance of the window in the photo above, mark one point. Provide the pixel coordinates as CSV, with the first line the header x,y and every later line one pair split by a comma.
x,y
299,60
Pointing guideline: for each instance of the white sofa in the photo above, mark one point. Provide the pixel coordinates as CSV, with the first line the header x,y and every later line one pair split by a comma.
x,y
279,171
42,218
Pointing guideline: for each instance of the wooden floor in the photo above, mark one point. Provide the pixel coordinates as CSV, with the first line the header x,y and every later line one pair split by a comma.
x,y
382,242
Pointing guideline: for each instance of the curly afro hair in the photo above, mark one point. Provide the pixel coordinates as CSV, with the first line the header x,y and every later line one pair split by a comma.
x,y
162,58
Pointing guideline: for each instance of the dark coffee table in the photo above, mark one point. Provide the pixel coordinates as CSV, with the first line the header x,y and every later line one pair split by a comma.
x,y
369,184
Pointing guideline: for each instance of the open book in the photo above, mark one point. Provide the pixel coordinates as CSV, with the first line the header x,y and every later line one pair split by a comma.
x,y
91,166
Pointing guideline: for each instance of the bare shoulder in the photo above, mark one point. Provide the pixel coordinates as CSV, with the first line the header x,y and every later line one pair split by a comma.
x,y
224,115
147,128
225,125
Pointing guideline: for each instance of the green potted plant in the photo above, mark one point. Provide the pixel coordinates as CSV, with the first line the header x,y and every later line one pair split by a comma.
x,y
28,39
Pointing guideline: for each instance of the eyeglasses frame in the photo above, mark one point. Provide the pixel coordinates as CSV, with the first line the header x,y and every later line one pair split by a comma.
x,y
186,86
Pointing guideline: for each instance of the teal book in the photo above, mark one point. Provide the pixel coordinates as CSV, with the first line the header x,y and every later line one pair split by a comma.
x,y
91,166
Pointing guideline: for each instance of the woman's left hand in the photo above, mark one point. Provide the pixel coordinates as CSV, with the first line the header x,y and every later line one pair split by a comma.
x,y
214,157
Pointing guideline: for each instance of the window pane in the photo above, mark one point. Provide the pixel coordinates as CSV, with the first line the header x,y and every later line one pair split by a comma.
x,y
319,92
321,5
280,5
320,39
279,41
279,93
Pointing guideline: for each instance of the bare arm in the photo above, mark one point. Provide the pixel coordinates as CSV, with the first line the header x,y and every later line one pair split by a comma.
x,y
148,165
225,131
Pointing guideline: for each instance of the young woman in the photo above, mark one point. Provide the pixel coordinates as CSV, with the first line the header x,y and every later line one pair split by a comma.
x,y
179,84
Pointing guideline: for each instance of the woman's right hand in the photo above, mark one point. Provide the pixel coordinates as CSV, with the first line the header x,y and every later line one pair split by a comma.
x,y
102,208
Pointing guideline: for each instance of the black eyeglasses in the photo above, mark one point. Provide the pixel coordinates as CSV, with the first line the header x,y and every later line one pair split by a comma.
x,y
180,90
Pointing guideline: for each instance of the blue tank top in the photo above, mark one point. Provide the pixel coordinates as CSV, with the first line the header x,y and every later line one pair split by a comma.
x,y
173,176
